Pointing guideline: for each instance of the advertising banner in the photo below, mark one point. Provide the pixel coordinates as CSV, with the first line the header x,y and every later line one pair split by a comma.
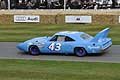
x,y
26,18
78,19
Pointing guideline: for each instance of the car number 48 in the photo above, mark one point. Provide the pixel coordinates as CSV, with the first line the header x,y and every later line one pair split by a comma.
x,y
55,46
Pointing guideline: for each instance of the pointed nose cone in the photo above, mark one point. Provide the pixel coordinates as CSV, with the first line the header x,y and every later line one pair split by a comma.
x,y
22,47
19,46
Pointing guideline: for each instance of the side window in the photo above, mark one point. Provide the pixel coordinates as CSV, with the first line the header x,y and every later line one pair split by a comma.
x,y
54,38
68,39
85,36
61,38
58,38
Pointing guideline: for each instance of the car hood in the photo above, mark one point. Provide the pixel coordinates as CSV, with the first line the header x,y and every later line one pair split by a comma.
x,y
35,41
38,39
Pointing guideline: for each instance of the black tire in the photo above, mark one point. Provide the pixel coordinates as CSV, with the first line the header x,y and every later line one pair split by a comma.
x,y
80,51
34,50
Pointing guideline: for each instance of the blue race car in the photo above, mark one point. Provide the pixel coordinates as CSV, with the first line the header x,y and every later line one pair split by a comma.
x,y
68,42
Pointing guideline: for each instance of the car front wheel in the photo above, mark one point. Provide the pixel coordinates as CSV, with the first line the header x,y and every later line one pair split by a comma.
x,y
80,51
34,50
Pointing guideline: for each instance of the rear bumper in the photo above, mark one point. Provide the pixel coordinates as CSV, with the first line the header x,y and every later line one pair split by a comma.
x,y
106,45
99,49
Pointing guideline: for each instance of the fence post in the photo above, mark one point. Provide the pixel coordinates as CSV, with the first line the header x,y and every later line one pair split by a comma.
x,y
8,4
64,5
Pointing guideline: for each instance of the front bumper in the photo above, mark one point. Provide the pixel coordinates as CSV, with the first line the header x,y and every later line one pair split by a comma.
x,y
22,47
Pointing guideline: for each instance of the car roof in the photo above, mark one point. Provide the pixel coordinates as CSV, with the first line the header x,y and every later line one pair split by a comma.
x,y
73,34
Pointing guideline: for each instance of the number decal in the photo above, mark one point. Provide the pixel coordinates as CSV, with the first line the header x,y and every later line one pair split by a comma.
x,y
51,47
55,47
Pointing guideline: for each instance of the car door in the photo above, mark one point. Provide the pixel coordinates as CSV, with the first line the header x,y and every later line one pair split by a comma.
x,y
59,44
63,44
68,45
53,45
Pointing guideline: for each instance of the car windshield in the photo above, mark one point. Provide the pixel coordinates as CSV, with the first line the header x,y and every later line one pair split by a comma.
x,y
85,36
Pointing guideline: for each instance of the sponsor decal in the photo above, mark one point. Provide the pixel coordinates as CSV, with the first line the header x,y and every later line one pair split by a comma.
x,y
55,46
93,47
78,19
26,18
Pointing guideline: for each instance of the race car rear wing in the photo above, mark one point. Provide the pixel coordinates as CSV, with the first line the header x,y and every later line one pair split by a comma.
x,y
101,35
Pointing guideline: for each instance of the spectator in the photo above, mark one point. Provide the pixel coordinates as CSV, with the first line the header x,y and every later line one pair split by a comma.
x,y
68,4
49,4
114,3
55,5
29,5
61,3
34,4
3,4
75,4
21,5
43,5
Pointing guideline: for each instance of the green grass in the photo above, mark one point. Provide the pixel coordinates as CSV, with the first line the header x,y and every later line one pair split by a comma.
x,y
21,32
57,70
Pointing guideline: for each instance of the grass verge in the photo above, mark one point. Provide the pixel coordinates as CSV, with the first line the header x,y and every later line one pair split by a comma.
x,y
57,70
21,32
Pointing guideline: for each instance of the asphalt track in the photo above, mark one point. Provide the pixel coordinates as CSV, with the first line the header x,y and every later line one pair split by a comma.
x,y
8,50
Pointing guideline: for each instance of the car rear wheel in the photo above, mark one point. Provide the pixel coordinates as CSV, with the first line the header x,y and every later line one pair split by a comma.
x,y
80,51
34,50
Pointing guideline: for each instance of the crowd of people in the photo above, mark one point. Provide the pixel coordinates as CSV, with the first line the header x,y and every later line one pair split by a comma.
x,y
79,4
32,4
92,4
39,4
59,4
